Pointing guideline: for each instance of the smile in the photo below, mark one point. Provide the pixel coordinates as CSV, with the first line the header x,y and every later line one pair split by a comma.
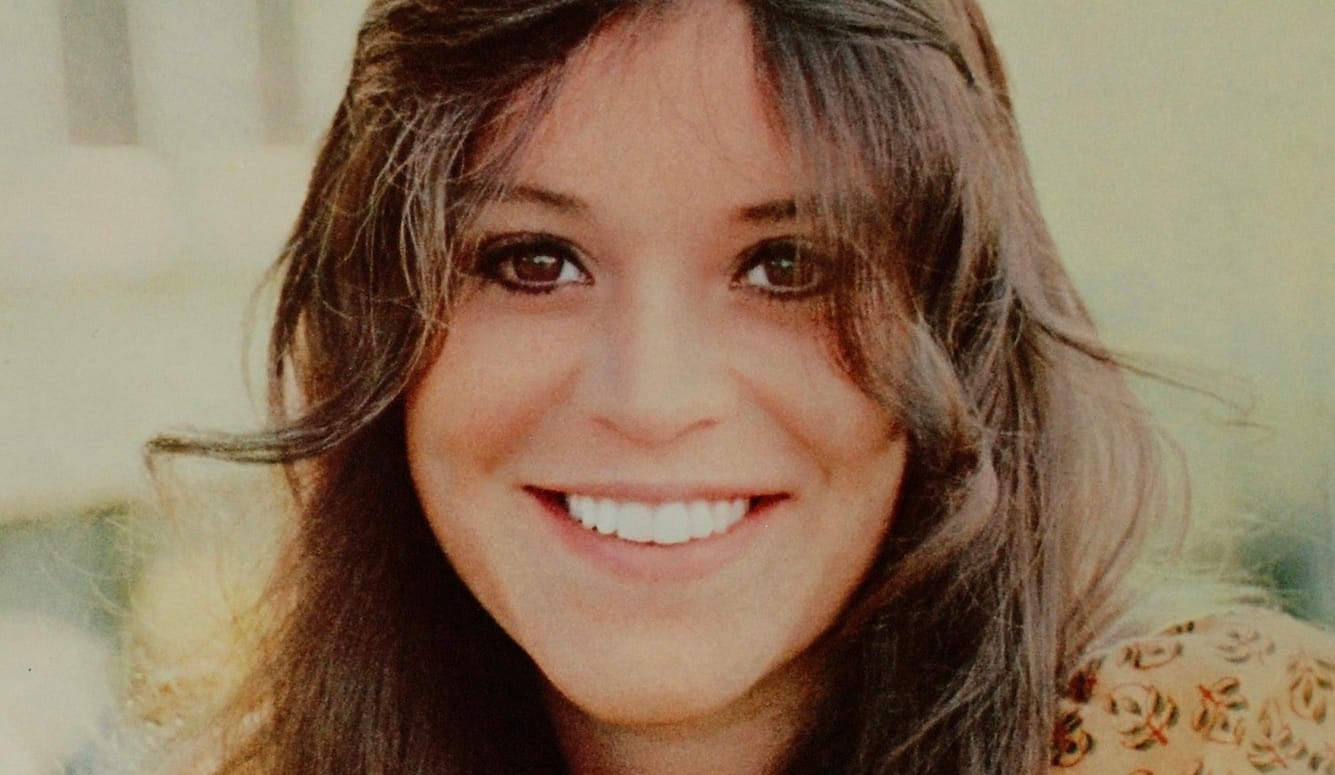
x,y
664,523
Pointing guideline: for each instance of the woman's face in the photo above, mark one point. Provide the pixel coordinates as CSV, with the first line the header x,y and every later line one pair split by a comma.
x,y
635,445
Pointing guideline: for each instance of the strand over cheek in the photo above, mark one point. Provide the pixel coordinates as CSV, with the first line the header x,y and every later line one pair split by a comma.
x,y
948,319
872,116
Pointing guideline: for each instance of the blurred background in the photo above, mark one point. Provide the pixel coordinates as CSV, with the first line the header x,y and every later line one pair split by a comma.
x,y
153,154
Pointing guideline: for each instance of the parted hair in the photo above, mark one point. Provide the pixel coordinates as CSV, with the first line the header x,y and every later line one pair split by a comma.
x,y
1033,475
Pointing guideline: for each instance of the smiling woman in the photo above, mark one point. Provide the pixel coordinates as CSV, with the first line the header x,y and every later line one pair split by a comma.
x,y
633,442
694,387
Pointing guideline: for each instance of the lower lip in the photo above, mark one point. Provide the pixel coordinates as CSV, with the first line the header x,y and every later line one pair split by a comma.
x,y
658,563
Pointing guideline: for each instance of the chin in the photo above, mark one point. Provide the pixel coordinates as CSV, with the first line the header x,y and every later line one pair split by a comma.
x,y
661,707
643,694
676,690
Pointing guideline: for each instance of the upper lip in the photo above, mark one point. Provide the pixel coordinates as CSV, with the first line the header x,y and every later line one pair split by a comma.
x,y
660,492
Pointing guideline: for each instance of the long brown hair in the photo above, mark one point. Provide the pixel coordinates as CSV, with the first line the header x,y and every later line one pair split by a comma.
x,y
1033,474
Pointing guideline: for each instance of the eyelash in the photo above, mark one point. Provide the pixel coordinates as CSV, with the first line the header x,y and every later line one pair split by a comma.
x,y
805,257
496,262
496,259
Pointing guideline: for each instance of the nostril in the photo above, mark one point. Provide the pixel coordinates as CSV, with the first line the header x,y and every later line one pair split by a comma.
x,y
647,430
661,411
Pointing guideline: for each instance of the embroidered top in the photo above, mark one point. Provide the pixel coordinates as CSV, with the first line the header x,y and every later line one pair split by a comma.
x,y
1223,695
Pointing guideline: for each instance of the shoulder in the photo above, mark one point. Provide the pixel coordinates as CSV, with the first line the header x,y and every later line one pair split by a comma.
x,y
1231,694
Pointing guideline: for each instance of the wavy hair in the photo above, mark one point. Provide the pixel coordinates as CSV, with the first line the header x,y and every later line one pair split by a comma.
x,y
1033,474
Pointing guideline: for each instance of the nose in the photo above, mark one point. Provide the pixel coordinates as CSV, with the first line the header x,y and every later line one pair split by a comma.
x,y
657,373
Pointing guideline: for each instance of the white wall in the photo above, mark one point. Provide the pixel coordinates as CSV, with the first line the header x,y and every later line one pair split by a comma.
x,y
124,269
1184,157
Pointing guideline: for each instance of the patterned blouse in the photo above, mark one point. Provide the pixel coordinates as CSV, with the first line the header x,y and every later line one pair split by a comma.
x,y
1223,695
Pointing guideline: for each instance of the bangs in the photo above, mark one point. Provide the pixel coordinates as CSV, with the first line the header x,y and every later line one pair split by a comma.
x,y
879,111
881,122
883,117
481,170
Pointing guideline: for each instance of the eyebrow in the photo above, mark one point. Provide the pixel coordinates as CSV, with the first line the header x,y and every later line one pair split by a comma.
x,y
773,211
565,203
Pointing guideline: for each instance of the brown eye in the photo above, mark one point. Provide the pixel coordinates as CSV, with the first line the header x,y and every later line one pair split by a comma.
x,y
783,268
531,263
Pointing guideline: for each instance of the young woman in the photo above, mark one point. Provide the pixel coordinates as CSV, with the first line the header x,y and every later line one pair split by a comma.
x,y
694,387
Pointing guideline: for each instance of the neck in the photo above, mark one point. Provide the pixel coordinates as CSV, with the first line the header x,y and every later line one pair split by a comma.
x,y
748,737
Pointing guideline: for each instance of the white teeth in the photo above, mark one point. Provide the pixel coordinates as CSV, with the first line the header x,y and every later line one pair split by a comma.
x,y
671,524
726,513
664,523
635,522
607,516
589,518
702,519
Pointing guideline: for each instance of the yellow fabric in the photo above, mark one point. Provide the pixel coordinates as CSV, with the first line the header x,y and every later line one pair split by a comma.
x,y
1223,695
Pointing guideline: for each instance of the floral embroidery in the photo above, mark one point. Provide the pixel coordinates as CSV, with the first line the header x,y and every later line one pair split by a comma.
x,y
1324,761
1272,744
1081,686
1070,742
1241,644
1256,693
1149,654
1184,628
1141,714
1309,684
1217,716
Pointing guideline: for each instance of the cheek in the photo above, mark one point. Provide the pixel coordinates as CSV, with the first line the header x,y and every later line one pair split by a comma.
x,y
472,414
495,378
790,370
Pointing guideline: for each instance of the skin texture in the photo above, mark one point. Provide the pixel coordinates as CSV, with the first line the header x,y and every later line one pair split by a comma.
x,y
658,368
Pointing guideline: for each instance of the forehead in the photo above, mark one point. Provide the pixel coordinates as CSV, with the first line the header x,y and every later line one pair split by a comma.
x,y
676,94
